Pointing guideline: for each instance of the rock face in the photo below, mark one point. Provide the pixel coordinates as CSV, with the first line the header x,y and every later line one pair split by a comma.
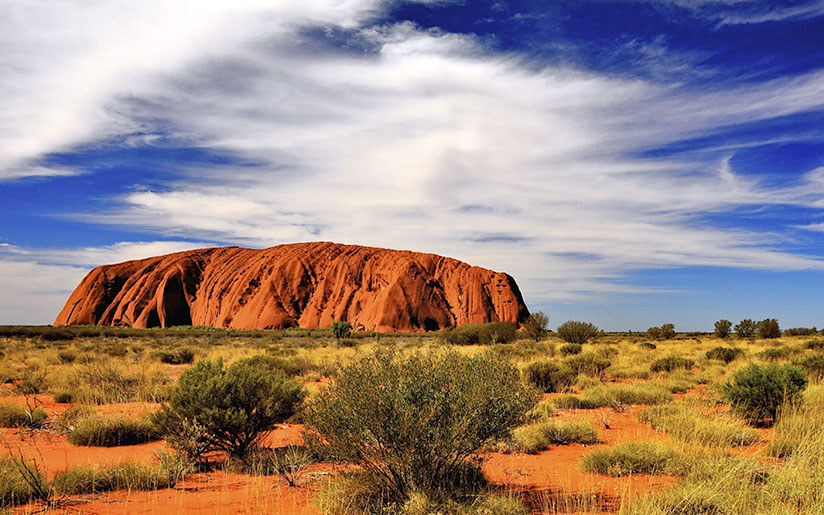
x,y
299,285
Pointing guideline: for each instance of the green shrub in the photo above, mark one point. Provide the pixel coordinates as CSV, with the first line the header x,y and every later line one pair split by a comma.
x,y
587,363
411,422
668,331
542,410
671,363
572,331
63,397
292,366
722,328
548,377
181,356
757,392
480,334
538,437
535,326
96,431
745,328
235,405
801,331
725,354
570,349
601,396
654,332
13,415
768,328
648,345
341,329
813,364
633,458
776,354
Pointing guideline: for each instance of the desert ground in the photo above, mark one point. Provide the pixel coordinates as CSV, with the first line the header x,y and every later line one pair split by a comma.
x,y
625,423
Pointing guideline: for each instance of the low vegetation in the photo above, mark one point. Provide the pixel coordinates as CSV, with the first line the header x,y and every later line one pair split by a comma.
x,y
96,431
577,332
757,392
634,458
696,426
14,415
538,437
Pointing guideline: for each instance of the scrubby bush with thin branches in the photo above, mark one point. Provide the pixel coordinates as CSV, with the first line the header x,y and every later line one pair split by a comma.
x,y
757,392
411,423
577,332
548,376
235,405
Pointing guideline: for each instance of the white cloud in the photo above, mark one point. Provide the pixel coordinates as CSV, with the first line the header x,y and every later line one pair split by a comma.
x,y
425,142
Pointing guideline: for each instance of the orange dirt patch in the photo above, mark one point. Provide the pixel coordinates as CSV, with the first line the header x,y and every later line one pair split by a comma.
x,y
552,479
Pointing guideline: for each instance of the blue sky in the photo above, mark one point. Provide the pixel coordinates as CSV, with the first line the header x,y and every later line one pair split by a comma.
x,y
630,163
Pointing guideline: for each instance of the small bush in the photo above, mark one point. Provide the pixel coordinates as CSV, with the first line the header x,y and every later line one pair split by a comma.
x,y
538,437
287,462
66,357
745,328
757,392
671,363
292,366
801,331
14,489
725,354
430,412
570,349
813,364
633,458
577,332
776,354
548,377
542,410
13,415
722,328
63,397
96,431
480,334
648,345
235,405
768,328
535,326
181,356
668,331
815,344
587,363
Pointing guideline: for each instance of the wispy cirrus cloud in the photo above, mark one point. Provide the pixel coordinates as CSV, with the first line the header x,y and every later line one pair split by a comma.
x,y
392,135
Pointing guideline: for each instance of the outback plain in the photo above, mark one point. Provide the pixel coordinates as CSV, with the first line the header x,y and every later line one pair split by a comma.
x,y
480,419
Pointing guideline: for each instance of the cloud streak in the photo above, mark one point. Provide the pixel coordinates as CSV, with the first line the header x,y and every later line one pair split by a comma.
x,y
401,137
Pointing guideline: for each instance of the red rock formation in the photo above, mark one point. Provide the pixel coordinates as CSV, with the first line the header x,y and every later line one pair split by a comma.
x,y
300,285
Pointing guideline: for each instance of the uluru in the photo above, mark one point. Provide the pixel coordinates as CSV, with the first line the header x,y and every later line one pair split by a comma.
x,y
305,285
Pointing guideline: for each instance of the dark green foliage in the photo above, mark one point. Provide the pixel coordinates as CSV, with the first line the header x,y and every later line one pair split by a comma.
x,y
757,392
813,364
725,354
745,328
411,423
801,331
768,328
63,396
671,363
577,332
587,363
235,405
181,356
654,333
480,334
94,431
776,354
341,329
549,377
535,326
668,331
570,349
722,328
13,415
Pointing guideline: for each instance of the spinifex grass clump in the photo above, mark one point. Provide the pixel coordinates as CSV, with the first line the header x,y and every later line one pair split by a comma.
x,y
725,354
13,415
634,458
412,423
538,437
231,407
548,377
671,363
694,425
601,396
112,431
